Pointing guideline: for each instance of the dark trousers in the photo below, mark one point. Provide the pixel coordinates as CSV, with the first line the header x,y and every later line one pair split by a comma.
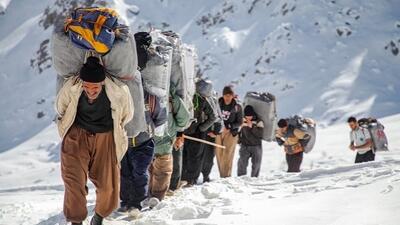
x,y
247,152
134,174
207,161
177,169
366,157
192,156
294,162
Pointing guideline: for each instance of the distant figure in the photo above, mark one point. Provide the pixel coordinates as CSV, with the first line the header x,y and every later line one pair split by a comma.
x,y
250,138
360,141
293,140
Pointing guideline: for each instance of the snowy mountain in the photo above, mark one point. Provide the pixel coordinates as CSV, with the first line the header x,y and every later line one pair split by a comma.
x,y
325,59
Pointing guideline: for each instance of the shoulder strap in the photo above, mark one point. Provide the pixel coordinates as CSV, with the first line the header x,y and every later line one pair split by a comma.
x,y
152,103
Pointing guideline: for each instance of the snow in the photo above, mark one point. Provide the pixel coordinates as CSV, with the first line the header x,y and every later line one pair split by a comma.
x,y
3,5
329,190
325,59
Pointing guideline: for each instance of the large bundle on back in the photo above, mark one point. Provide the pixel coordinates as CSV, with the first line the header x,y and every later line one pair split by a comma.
x,y
378,136
157,72
96,31
264,105
205,89
183,69
306,125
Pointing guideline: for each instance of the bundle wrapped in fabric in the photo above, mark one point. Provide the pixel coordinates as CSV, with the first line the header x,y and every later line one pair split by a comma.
x,y
120,62
183,69
205,88
308,126
156,74
377,132
264,105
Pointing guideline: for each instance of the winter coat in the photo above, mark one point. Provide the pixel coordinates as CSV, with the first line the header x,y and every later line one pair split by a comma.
x,y
204,115
121,109
232,115
178,117
295,139
252,136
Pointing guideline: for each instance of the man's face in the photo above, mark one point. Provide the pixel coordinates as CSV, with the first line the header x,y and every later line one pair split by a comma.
x,y
228,98
283,129
353,125
92,90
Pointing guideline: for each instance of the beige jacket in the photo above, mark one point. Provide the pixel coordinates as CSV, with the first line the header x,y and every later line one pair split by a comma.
x,y
121,109
292,141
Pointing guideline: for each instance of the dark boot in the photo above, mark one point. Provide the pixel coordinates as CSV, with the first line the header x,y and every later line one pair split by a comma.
x,y
96,220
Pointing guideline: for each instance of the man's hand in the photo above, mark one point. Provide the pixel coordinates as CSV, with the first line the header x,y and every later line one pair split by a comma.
x,y
352,147
178,143
211,134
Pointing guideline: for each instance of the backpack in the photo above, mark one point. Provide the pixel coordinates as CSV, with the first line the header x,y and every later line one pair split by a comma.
x,y
93,28
306,125
377,133
264,104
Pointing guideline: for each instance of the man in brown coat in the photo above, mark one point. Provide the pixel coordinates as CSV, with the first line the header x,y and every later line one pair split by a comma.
x,y
92,112
293,140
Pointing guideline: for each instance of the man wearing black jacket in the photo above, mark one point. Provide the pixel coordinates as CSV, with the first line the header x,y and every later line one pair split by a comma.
x,y
233,117
192,150
250,138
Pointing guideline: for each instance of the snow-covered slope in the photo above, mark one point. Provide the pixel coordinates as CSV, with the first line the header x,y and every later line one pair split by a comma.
x,y
330,190
327,59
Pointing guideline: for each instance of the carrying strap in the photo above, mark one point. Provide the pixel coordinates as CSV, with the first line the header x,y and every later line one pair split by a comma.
x,y
152,103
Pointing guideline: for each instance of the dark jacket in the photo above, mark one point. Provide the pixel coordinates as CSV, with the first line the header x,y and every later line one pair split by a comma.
x,y
232,115
252,136
204,115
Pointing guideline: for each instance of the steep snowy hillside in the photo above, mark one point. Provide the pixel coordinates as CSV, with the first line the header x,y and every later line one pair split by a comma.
x,y
330,190
326,59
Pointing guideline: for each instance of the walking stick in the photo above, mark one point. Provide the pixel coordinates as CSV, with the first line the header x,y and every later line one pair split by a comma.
x,y
203,141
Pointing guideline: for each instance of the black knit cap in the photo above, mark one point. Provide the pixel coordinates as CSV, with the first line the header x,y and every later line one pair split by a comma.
x,y
249,111
227,90
282,123
92,71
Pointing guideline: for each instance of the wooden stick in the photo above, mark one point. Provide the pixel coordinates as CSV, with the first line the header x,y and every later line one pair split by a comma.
x,y
204,141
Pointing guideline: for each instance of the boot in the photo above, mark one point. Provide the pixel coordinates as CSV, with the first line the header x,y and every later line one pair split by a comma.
x,y
96,220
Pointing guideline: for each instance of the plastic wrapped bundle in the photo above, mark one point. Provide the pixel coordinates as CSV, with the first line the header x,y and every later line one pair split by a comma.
x,y
156,75
377,131
120,62
264,105
306,125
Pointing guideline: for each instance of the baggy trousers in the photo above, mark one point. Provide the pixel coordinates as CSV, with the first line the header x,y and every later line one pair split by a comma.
x,y
247,152
177,168
83,155
208,159
134,174
192,156
294,162
160,175
225,156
